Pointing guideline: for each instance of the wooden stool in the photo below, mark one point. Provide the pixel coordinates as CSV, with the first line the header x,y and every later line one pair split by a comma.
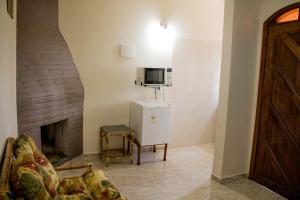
x,y
115,130
129,137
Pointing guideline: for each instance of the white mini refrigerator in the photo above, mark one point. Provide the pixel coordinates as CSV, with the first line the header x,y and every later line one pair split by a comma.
x,y
151,121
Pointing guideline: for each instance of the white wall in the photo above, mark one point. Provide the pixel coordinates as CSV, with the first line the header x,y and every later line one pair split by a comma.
x,y
195,93
237,80
94,30
239,83
196,64
224,88
8,112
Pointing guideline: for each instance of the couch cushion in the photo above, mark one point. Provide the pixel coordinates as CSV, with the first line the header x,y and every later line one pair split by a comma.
x,y
28,183
99,186
70,186
5,195
22,146
79,196
32,176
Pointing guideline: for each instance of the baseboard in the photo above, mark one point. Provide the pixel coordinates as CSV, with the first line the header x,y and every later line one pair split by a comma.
x,y
228,178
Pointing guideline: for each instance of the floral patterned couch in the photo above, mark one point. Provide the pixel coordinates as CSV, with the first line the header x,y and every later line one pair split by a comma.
x,y
27,174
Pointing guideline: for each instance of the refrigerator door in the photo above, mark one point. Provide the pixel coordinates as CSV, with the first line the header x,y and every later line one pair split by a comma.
x,y
156,126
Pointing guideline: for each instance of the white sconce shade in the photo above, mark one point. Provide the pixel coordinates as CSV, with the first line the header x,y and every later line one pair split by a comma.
x,y
163,24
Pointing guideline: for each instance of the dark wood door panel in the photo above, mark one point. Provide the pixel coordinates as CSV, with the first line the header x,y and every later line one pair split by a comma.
x,y
295,37
286,61
276,162
278,168
285,150
287,104
291,44
273,175
281,29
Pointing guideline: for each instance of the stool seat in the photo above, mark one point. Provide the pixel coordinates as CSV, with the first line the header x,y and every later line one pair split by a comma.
x,y
116,129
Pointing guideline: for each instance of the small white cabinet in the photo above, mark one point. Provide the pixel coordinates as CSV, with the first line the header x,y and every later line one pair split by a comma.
x,y
151,121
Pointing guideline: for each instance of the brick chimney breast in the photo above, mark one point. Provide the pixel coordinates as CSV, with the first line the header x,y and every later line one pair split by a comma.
x,y
49,88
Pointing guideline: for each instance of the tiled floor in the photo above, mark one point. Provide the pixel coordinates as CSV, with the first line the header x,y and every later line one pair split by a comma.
x,y
184,176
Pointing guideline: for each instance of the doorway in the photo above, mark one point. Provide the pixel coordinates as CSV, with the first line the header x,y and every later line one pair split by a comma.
x,y
275,159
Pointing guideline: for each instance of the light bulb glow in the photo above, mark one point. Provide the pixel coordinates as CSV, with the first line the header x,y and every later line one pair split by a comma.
x,y
160,37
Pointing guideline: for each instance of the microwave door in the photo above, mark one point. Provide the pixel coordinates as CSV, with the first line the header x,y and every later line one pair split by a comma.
x,y
154,76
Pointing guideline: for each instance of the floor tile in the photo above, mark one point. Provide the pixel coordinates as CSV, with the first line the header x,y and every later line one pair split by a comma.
x,y
186,175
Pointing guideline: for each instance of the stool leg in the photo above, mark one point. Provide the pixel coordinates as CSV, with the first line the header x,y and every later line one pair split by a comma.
x,y
132,148
131,153
107,151
123,145
154,148
165,152
128,147
139,156
107,160
101,145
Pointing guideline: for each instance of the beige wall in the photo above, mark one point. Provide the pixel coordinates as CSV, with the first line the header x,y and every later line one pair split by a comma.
x,y
195,93
8,113
94,30
196,63
239,83
196,20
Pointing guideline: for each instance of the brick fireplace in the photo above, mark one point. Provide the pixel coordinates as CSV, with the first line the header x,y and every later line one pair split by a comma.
x,y
49,89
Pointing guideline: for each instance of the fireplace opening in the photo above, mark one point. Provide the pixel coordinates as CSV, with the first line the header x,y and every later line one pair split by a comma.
x,y
53,142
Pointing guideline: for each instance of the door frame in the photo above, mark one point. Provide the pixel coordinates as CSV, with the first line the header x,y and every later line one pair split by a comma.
x,y
266,24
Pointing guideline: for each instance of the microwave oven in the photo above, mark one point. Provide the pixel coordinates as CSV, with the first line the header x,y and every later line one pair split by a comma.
x,y
154,77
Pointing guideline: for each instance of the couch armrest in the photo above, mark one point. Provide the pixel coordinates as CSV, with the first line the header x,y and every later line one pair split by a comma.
x,y
75,166
100,187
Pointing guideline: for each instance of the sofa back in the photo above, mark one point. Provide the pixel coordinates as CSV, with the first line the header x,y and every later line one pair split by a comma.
x,y
24,170
8,157
32,175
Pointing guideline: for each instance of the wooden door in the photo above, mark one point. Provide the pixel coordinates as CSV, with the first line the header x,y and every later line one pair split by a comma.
x,y
276,153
